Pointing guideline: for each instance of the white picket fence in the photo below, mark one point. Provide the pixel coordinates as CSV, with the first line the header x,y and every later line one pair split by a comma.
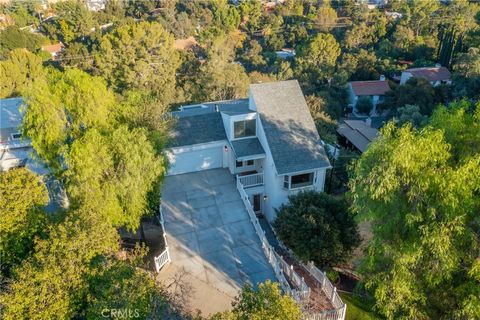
x,y
164,258
301,291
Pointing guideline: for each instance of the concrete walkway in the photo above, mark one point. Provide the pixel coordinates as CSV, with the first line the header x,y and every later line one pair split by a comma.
x,y
211,239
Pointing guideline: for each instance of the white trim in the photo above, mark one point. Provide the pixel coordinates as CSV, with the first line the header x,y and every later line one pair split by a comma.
x,y
195,147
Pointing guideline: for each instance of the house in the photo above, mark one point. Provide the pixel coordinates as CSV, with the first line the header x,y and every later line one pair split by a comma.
x,y
14,151
54,49
435,75
285,53
268,141
373,89
357,134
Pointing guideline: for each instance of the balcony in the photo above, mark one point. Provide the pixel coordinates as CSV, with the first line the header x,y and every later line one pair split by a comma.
x,y
251,180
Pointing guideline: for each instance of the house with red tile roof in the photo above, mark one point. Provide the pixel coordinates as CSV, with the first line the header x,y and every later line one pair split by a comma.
x,y
54,49
435,75
374,89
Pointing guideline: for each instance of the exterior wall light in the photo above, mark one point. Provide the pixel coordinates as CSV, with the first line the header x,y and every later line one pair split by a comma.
x,y
265,197
225,148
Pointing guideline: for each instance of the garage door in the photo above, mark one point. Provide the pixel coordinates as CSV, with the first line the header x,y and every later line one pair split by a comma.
x,y
195,160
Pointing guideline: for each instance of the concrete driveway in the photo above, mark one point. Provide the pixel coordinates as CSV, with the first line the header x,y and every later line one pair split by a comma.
x,y
212,242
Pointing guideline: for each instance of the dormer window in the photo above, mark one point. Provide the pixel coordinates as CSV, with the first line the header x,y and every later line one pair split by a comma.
x,y
244,128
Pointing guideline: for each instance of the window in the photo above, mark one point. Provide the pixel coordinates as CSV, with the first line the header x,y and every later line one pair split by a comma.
x,y
239,164
250,162
246,128
298,181
301,180
16,136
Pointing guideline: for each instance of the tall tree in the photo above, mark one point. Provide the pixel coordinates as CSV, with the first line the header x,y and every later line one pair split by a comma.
x,y
139,55
317,227
316,60
62,108
419,189
22,197
18,72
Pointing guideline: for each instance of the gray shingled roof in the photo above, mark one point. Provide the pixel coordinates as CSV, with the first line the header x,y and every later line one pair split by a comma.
x,y
195,129
247,147
289,128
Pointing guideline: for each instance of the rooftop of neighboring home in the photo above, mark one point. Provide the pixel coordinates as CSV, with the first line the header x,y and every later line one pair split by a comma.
x,y
11,115
358,133
290,131
53,48
430,73
370,88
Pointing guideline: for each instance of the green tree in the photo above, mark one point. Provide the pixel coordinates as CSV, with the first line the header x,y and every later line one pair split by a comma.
x,y
419,190
141,56
326,16
51,284
22,197
18,72
326,126
121,285
12,38
264,303
364,105
73,20
415,91
468,64
317,227
117,169
85,100
316,60
410,113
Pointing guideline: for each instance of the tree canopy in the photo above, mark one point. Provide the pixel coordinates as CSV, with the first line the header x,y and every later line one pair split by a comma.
x,y
419,189
22,196
317,227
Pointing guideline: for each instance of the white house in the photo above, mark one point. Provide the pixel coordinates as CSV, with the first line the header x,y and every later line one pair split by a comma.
x,y
374,89
13,150
269,141
435,75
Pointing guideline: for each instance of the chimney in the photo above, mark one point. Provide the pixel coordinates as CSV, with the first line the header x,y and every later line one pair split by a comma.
x,y
382,77
216,108
368,122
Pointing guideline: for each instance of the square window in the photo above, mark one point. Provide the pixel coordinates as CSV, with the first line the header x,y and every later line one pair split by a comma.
x,y
245,128
250,162
239,164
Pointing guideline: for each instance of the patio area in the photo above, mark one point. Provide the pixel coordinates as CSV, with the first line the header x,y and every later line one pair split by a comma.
x,y
213,245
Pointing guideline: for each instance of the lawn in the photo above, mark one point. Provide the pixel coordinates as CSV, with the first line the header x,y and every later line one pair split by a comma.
x,y
356,308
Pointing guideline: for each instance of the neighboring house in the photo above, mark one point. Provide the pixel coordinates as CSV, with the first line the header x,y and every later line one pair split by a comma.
x,y
285,53
14,151
54,49
374,89
269,141
435,75
357,134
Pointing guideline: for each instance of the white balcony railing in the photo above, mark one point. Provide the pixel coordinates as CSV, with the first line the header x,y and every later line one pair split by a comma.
x,y
251,180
